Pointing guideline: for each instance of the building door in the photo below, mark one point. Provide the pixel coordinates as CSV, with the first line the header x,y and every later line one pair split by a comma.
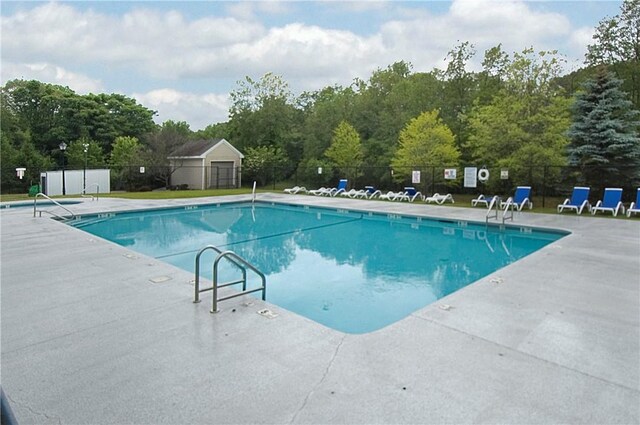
x,y
222,175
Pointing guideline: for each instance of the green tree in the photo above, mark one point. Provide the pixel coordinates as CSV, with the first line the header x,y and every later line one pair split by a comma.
x,y
78,158
459,90
617,44
604,140
425,141
262,114
52,114
126,151
324,110
523,127
125,157
26,156
345,151
263,163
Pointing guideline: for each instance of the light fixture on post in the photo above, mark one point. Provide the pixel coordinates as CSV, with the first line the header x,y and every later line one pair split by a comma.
x,y
63,147
84,170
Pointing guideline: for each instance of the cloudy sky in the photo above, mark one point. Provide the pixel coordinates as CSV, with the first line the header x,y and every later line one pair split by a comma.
x,y
183,58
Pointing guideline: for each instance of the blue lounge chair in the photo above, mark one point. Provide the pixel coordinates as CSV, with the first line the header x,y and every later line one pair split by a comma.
x,y
371,192
611,201
579,200
521,198
410,194
342,187
635,206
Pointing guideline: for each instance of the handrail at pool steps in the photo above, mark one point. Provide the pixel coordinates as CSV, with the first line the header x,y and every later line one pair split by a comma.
x,y
493,206
36,210
93,197
510,206
494,209
236,260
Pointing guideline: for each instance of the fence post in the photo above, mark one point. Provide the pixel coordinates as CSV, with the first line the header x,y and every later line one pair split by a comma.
x,y
433,180
544,184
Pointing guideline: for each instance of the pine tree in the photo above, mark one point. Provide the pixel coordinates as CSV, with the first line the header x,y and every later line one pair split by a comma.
x,y
604,142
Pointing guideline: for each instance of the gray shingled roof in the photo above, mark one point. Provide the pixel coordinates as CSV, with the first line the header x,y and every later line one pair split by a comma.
x,y
194,148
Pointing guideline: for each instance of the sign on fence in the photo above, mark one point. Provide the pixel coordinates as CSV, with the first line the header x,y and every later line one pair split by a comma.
x,y
415,177
450,173
471,177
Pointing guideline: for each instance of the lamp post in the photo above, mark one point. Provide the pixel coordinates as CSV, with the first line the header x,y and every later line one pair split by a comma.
x,y
84,170
63,147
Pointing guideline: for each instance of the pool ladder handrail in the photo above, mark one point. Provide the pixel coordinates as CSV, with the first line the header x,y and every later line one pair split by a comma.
x,y
93,197
494,209
508,208
236,260
494,206
36,210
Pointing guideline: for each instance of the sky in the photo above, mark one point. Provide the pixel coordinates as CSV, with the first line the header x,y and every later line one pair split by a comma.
x,y
183,59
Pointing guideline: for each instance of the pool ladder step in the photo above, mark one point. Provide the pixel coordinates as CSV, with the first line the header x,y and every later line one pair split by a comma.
x,y
239,262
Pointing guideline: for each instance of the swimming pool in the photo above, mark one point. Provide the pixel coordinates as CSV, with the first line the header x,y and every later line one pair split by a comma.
x,y
352,271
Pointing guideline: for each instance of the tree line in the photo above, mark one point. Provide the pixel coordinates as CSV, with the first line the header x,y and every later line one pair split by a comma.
x,y
520,110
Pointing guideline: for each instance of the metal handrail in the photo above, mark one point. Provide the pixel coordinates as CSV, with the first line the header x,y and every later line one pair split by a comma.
x,y
235,257
93,197
509,205
236,260
42,195
495,202
253,193
197,279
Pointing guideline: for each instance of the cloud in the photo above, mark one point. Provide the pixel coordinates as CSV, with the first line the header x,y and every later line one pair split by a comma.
x,y
425,40
48,73
199,110
159,49
250,10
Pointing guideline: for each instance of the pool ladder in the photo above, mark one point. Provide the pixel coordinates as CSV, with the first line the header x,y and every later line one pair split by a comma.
x,y
59,217
237,261
494,208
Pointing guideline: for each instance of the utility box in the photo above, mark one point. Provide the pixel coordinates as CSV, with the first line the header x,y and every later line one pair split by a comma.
x,y
97,181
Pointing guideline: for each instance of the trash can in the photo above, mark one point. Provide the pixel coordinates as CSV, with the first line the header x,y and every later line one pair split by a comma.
x,y
34,190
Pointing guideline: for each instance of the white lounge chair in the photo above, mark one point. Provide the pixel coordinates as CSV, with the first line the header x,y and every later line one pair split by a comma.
x,y
390,195
579,200
318,191
611,202
635,206
351,193
439,199
295,189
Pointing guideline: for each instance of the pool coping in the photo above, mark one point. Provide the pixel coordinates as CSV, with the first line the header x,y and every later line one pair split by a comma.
x,y
104,344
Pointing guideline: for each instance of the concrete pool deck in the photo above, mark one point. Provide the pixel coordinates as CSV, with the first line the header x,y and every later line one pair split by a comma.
x,y
88,337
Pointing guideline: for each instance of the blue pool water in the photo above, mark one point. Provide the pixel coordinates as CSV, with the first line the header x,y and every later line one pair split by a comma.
x,y
29,204
354,272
